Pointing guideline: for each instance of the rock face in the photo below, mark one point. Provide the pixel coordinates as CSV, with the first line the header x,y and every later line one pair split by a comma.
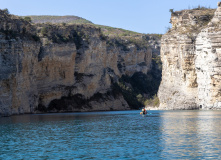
x,y
57,68
190,53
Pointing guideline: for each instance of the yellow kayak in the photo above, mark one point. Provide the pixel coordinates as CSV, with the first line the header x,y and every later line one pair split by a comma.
x,y
143,113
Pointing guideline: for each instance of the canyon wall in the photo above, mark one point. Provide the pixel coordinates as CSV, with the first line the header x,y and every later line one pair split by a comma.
x,y
65,68
190,53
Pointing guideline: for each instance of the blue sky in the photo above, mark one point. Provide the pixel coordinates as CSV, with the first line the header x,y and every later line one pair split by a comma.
x,y
144,16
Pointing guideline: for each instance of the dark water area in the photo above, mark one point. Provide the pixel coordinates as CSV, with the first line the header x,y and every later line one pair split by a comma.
x,y
112,135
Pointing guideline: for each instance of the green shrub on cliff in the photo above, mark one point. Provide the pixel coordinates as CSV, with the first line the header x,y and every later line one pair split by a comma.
x,y
153,102
44,31
6,11
171,11
28,19
199,7
157,60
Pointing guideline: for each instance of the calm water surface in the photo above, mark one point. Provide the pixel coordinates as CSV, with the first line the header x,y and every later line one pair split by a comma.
x,y
112,135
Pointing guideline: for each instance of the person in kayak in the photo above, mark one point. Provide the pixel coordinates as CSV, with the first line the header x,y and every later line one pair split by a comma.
x,y
144,111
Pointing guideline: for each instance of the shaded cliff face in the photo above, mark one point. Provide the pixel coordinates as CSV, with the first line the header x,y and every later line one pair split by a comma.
x,y
190,57
65,68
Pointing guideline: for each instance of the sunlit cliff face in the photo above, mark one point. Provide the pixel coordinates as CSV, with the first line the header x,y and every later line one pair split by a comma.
x,y
190,57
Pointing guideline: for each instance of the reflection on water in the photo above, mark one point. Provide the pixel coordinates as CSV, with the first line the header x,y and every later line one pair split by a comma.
x,y
191,134
112,135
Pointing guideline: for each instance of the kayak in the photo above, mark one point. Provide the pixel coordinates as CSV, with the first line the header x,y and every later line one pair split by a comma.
x,y
143,113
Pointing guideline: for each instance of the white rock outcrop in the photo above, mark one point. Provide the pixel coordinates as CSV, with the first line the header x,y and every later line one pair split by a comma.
x,y
191,57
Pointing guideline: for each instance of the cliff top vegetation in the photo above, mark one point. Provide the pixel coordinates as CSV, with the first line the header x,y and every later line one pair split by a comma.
x,y
193,9
55,30
49,27
119,32
68,20
189,21
58,19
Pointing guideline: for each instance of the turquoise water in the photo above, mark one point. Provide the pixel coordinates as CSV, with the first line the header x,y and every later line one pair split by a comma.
x,y
112,135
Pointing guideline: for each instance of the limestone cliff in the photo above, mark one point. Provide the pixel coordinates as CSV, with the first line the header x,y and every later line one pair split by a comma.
x,y
65,68
190,53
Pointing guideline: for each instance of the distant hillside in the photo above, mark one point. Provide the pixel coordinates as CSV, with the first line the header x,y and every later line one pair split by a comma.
x,y
106,30
112,31
58,19
119,32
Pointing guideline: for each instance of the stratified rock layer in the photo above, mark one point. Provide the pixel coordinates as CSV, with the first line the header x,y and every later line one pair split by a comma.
x,y
64,68
190,53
